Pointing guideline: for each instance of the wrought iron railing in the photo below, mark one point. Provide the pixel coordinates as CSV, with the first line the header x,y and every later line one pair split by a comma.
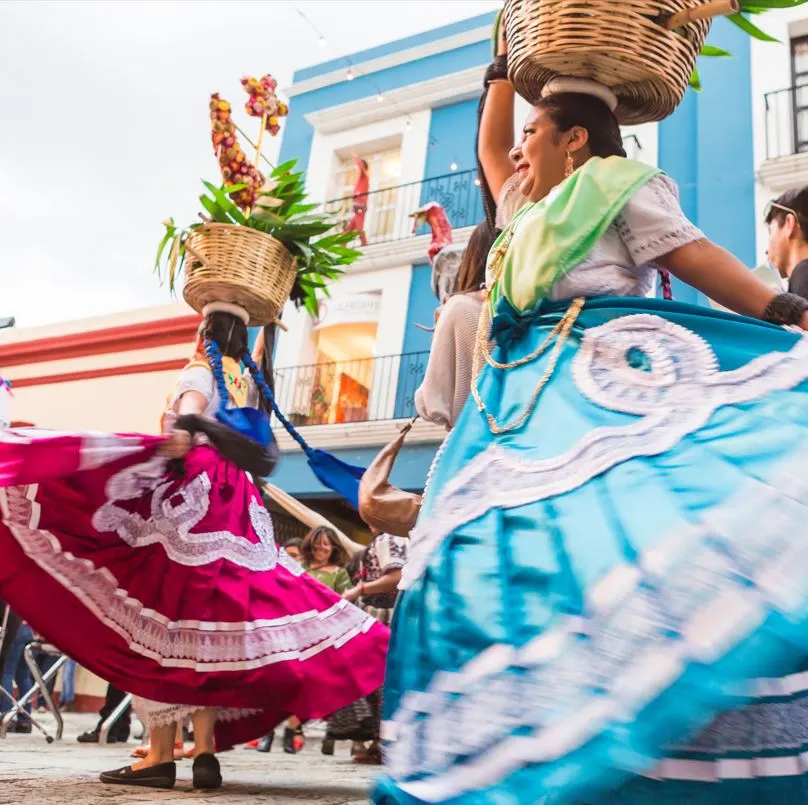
x,y
363,390
387,211
786,121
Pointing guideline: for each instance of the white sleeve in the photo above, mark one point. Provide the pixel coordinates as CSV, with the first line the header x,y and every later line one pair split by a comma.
x,y
391,552
194,378
447,380
652,222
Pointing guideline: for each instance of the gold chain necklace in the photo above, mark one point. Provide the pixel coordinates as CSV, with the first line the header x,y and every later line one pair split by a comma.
x,y
559,334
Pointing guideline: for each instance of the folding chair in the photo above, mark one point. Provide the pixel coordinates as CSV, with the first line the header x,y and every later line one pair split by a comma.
x,y
40,686
18,707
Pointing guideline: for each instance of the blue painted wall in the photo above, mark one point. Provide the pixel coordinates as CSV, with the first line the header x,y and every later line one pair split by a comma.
x,y
298,133
417,342
451,141
480,21
452,131
713,163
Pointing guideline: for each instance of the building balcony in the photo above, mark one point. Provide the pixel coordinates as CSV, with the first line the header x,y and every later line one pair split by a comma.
x,y
387,212
786,162
351,392
388,227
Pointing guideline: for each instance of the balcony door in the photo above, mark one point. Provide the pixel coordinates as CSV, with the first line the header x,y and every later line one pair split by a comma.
x,y
799,81
384,173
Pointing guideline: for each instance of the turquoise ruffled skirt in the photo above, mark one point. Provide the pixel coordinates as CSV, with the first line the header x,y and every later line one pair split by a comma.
x,y
610,604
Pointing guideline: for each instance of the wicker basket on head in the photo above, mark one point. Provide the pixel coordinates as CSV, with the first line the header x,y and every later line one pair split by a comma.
x,y
229,263
625,45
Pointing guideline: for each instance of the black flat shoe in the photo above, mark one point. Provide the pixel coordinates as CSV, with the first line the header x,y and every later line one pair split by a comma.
x,y
207,773
265,744
289,742
163,775
328,746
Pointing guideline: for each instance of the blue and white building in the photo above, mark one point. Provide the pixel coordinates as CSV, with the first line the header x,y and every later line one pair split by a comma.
x,y
409,109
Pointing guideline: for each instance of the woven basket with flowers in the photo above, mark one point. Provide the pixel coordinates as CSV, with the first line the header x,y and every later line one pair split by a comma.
x,y
258,243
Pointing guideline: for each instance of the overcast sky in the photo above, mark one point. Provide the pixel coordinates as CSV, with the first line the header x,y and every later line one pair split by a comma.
x,y
104,126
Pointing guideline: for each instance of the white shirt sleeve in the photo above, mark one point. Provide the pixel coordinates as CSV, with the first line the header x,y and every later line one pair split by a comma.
x,y
652,222
447,381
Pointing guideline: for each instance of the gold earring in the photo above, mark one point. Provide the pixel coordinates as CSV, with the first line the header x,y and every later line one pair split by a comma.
x,y
569,166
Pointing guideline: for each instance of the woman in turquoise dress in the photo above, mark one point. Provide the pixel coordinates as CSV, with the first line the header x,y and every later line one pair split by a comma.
x,y
606,598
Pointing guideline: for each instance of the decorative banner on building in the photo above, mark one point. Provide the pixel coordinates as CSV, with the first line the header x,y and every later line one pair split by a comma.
x,y
360,308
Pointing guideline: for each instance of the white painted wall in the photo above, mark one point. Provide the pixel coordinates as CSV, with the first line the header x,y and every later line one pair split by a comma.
x,y
296,347
414,141
771,71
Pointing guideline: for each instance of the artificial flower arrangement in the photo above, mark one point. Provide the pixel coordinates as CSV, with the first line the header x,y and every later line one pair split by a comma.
x,y
256,233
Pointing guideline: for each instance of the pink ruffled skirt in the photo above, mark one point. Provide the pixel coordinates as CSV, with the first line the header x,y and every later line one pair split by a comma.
x,y
170,585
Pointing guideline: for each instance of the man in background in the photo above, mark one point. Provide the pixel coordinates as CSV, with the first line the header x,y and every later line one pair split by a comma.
x,y
787,220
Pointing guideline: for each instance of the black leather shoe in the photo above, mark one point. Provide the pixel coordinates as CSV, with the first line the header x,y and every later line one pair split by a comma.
x,y
90,737
163,775
207,773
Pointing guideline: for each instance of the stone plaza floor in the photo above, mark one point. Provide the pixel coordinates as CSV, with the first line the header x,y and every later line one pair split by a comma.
x,y
33,772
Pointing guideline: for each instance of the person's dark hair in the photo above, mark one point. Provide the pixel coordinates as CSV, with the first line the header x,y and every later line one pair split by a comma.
x,y
338,554
293,542
227,334
569,109
471,274
795,200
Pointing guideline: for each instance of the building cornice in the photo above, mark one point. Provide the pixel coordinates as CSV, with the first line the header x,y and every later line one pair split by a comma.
x,y
401,252
360,434
123,338
435,92
390,60
783,173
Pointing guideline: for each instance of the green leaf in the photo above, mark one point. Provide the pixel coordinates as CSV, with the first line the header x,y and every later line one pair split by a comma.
x,y
712,50
169,235
750,28
284,168
225,203
215,211
695,81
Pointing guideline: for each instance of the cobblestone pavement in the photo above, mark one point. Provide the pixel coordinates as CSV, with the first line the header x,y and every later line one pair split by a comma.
x,y
33,772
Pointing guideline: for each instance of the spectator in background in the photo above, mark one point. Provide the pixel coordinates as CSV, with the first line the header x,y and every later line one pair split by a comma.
x,y
15,670
68,696
787,220
120,730
292,548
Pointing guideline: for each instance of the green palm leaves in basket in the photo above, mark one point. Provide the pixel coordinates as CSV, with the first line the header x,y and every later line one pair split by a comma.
x,y
280,211
748,7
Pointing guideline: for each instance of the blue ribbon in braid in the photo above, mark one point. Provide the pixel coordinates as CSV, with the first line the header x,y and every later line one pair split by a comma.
x,y
269,398
332,472
214,356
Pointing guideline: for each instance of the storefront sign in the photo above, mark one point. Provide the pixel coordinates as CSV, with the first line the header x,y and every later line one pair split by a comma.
x,y
361,308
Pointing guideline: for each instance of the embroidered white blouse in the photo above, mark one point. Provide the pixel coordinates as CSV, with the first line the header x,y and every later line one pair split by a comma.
x,y
200,379
650,225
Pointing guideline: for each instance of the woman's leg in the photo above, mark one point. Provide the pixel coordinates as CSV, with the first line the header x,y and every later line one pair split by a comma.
x,y
161,746
204,721
207,773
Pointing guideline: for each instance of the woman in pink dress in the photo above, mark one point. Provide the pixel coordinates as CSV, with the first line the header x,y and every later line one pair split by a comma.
x,y
151,560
